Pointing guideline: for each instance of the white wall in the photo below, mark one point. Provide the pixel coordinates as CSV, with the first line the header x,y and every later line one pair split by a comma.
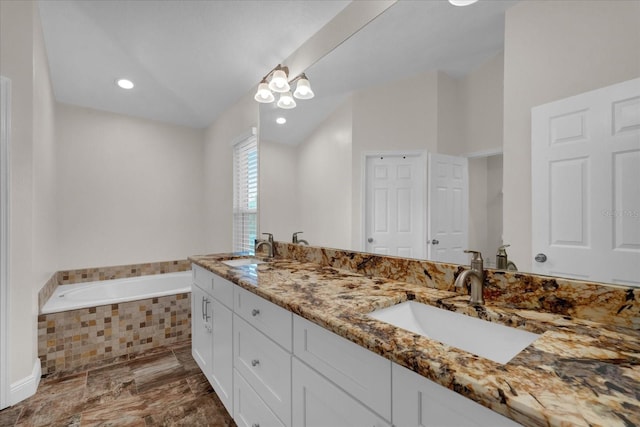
x,y
32,180
323,190
279,206
129,190
554,50
218,172
481,93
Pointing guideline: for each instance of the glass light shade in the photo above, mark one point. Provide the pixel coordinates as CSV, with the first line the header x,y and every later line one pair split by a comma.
x,y
286,101
263,94
279,82
462,2
303,89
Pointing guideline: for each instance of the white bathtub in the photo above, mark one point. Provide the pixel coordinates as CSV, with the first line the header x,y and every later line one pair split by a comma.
x,y
93,294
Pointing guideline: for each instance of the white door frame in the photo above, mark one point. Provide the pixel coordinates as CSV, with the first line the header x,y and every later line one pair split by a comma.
x,y
363,190
5,133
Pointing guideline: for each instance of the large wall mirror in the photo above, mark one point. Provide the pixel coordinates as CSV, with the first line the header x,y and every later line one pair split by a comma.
x,y
418,92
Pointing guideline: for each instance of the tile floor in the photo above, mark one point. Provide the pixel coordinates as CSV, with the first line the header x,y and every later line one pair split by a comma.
x,y
163,387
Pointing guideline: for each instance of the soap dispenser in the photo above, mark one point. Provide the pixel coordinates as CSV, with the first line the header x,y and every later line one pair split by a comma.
x,y
502,261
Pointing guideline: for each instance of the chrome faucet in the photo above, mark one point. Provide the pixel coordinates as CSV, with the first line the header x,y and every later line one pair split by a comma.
x,y
502,261
475,275
268,243
295,240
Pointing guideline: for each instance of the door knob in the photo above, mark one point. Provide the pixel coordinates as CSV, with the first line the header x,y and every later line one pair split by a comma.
x,y
541,258
435,242
370,240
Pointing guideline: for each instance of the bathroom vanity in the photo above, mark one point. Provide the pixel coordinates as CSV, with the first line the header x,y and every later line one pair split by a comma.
x,y
290,342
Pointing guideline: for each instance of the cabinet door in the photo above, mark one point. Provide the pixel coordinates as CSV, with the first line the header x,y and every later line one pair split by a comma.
x,y
358,371
319,403
418,401
222,353
201,336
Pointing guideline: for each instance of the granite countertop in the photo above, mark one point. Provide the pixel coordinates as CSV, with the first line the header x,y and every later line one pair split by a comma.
x,y
578,372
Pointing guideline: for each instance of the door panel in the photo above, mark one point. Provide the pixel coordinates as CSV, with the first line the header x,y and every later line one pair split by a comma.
x,y
585,153
448,208
394,204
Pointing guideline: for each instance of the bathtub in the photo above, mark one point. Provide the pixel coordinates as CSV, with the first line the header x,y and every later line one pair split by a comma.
x,y
92,294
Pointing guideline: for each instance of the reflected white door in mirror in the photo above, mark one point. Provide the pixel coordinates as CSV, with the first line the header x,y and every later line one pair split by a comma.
x,y
402,218
395,198
585,175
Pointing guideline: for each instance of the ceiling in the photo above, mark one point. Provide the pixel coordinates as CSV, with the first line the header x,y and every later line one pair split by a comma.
x,y
189,60
192,60
408,38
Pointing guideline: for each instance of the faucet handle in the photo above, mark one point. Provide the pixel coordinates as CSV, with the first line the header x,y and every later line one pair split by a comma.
x,y
270,237
476,255
294,238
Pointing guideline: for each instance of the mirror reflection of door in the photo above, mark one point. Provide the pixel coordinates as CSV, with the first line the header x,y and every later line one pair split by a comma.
x,y
395,196
448,208
586,197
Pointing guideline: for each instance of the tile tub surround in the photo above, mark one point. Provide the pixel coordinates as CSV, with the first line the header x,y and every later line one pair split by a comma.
x,y
77,339
68,277
579,372
611,304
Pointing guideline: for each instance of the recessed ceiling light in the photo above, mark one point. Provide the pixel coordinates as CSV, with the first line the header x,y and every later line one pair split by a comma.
x,y
462,2
124,83
281,120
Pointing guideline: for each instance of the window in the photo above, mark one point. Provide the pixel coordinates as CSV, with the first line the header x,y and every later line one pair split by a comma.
x,y
245,194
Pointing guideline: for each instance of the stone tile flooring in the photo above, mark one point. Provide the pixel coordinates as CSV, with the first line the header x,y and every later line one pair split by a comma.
x,y
163,387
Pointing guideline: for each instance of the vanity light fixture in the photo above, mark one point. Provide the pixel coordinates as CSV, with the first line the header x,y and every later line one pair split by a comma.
x,y
277,81
125,83
462,2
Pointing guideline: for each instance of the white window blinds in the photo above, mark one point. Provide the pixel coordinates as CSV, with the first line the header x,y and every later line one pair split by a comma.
x,y
245,194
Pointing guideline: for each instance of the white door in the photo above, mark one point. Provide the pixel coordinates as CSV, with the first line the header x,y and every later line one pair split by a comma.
x,y
448,208
395,205
585,157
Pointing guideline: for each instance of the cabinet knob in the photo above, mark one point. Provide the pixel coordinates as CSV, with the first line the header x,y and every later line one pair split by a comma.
x,y
255,425
255,362
255,312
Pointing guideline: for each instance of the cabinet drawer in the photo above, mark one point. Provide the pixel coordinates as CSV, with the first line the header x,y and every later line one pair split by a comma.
x,y
273,321
248,409
419,401
265,366
223,290
318,402
360,372
202,278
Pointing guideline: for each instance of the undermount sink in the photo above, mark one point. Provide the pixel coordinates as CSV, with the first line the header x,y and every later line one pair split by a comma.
x,y
239,262
486,339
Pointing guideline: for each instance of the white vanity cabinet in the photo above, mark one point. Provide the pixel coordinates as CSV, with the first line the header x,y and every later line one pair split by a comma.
x,y
339,383
418,401
273,368
212,331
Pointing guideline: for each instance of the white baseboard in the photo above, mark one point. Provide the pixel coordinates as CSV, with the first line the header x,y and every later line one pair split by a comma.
x,y
26,387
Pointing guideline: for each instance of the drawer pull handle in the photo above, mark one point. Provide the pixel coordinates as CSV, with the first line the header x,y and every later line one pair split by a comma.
x,y
255,362
255,312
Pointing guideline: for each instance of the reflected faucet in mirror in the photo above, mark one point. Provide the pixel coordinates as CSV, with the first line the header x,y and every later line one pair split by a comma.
x,y
502,260
268,243
475,275
296,241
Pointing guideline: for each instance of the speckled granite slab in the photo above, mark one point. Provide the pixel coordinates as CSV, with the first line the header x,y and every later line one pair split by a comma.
x,y
579,372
